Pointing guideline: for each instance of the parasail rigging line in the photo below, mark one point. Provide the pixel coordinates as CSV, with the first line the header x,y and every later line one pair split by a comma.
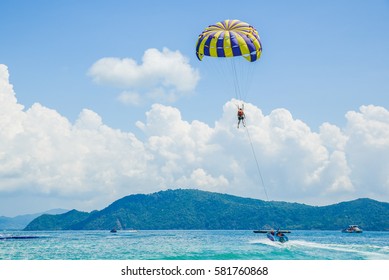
x,y
257,163
236,82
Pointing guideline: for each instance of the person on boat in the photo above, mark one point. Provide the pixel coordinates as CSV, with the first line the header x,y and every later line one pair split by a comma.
x,y
241,116
280,233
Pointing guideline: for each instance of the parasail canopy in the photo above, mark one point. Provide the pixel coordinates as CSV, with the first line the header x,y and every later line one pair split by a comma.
x,y
229,38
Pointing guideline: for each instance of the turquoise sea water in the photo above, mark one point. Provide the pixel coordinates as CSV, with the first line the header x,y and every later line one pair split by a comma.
x,y
192,245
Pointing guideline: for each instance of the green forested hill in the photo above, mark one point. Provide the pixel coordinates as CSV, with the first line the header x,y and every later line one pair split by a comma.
x,y
57,222
194,209
21,221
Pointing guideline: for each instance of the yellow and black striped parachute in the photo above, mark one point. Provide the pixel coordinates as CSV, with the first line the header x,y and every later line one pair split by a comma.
x,y
229,38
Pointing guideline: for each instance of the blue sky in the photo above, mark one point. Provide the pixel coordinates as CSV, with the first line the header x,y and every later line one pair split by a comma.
x,y
321,62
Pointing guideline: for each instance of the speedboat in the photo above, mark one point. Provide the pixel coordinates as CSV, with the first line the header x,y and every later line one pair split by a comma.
x,y
275,235
352,229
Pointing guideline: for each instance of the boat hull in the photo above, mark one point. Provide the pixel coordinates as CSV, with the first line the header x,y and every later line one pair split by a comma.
x,y
276,238
351,231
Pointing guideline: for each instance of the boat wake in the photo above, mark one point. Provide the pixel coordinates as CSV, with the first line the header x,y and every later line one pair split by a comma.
x,y
268,242
315,250
358,251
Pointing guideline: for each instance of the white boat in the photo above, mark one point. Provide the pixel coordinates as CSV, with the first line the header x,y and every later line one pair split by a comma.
x,y
352,229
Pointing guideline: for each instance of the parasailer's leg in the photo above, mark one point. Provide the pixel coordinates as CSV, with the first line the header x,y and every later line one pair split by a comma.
x,y
241,119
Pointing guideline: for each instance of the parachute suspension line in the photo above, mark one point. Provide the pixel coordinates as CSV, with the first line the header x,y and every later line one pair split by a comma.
x,y
238,94
256,161
242,73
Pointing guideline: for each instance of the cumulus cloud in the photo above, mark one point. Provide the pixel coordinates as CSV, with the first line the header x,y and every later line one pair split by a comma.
x,y
42,152
162,75
130,98
87,164
367,149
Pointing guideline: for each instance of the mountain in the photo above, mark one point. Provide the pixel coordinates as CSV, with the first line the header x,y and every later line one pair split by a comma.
x,y
194,209
21,221
57,222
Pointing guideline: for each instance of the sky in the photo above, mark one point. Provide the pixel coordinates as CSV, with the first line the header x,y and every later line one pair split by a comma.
x,y
103,99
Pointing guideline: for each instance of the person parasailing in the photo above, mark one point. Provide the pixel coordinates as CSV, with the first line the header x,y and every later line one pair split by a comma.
x,y
241,116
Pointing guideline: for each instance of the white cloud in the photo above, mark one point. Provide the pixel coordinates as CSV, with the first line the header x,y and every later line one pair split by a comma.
x,y
130,98
201,180
162,76
367,150
87,164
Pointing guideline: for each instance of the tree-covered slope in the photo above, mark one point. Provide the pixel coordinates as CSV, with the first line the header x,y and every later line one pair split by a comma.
x,y
194,209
